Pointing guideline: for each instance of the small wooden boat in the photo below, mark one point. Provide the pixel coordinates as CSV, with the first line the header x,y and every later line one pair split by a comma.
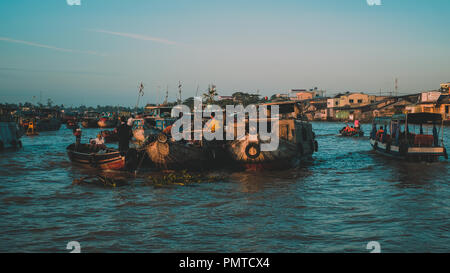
x,y
397,136
177,155
352,132
88,156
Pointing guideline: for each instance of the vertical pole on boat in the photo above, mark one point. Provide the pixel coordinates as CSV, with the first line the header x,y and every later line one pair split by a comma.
x,y
179,92
167,94
141,93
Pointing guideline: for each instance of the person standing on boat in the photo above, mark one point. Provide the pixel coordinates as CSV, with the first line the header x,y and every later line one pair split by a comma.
x,y
124,132
77,134
356,124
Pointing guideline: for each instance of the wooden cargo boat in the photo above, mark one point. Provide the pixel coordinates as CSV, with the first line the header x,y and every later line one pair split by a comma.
x,y
296,142
86,155
400,139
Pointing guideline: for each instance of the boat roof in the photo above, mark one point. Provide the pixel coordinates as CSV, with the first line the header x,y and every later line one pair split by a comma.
x,y
419,118
411,118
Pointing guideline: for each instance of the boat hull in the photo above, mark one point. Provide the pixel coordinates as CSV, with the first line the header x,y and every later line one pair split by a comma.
x,y
430,154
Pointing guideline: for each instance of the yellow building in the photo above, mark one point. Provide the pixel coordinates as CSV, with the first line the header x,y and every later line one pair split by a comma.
x,y
441,106
351,99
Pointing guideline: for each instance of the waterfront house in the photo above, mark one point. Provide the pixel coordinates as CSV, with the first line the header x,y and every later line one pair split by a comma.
x,y
441,105
350,99
303,94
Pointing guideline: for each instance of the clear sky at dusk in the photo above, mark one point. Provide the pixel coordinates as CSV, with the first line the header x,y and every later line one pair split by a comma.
x,y
98,52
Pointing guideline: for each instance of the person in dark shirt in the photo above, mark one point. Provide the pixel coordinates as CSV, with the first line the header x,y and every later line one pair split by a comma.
x,y
124,132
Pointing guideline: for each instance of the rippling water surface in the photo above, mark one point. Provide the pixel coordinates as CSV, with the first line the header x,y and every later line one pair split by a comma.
x,y
345,198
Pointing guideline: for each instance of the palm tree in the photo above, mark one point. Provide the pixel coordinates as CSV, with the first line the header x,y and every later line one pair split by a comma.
x,y
210,94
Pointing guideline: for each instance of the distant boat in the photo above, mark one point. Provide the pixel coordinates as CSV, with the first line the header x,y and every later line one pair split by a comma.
x,y
107,122
412,136
90,120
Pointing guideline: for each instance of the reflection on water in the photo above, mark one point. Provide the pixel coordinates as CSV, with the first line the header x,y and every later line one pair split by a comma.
x,y
347,196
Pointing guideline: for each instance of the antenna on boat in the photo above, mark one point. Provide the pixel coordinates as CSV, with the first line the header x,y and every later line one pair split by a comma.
x,y
196,93
179,92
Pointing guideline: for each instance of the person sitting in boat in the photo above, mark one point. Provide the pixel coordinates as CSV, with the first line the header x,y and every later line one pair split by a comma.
x,y
98,143
380,133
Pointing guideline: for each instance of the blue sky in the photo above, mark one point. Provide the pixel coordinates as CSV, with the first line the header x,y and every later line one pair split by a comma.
x,y
98,52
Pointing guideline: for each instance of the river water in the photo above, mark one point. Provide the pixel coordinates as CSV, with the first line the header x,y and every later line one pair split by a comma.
x,y
347,196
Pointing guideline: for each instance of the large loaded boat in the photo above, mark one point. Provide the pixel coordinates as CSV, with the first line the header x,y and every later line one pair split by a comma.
x,y
296,142
412,136
90,119
93,156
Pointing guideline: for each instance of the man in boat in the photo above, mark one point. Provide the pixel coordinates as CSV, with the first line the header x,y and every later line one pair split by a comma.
x,y
380,133
99,142
124,132
77,134
356,124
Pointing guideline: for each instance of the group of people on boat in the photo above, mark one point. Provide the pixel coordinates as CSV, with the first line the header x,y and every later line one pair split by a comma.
x,y
124,133
351,130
